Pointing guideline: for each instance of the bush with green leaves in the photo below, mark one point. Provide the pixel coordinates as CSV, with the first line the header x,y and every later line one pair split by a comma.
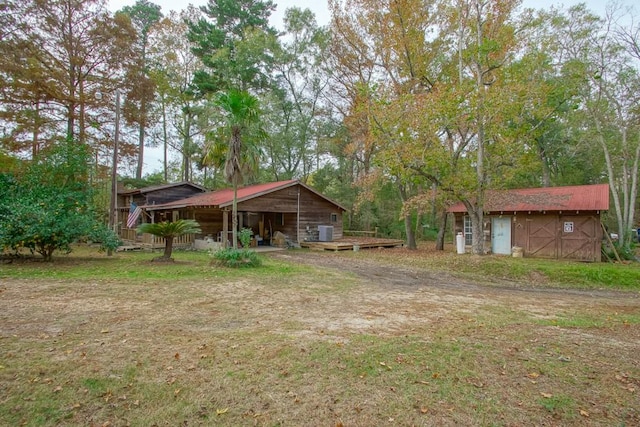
x,y
244,236
236,258
48,205
624,252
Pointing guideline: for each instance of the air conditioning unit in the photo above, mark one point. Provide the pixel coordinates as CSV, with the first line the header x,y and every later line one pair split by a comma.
x,y
325,233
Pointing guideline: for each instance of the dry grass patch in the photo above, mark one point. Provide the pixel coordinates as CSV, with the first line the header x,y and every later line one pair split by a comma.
x,y
292,345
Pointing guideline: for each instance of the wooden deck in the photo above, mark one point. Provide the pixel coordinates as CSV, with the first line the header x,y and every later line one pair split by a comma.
x,y
352,243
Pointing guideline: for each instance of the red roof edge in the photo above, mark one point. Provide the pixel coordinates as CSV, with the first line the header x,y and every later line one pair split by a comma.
x,y
568,198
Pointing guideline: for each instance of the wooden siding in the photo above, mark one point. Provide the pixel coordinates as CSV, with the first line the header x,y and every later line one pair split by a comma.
x,y
277,211
314,211
171,194
159,196
543,235
210,220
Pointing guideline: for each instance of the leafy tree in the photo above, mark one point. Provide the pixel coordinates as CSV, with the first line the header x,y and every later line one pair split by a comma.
x,y
601,60
294,113
173,69
54,60
435,106
144,15
240,136
48,207
169,231
233,45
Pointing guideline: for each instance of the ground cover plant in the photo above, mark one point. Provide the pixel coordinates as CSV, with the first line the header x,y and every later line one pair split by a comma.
x,y
352,339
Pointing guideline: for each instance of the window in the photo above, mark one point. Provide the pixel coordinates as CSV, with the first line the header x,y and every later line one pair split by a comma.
x,y
468,231
334,217
279,218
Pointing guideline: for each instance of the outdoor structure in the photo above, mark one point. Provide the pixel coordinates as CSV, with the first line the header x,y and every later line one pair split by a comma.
x,y
552,222
148,196
276,212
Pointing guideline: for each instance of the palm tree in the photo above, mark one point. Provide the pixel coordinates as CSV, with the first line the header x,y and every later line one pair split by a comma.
x,y
242,131
170,230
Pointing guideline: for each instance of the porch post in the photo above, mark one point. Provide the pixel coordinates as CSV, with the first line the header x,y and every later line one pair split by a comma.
x,y
298,218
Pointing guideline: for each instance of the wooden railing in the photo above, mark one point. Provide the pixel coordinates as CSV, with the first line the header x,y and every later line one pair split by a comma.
x,y
128,234
361,233
159,242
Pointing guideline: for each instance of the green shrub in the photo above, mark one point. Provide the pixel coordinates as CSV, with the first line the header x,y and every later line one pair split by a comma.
x,y
625,252
47,206
236,258
245,237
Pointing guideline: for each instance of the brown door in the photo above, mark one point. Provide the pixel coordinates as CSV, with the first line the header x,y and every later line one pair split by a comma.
x,y
541,237
579,238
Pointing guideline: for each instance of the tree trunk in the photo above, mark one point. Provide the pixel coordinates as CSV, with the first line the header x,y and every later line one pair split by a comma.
x,y
411,237
612,180
234,220
546,173
35,146
442,228
165,140
168,247
140,152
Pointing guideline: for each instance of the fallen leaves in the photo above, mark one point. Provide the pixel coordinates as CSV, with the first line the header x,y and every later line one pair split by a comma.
x,y
385,365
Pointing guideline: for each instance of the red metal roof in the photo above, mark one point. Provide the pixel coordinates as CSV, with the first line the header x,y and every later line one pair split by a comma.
x,y
222,198
569,198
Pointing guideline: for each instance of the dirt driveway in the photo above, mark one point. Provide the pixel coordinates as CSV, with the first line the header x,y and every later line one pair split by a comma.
x,y
393,297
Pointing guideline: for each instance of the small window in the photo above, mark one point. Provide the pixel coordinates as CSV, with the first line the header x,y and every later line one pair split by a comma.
x,y
279,218
334,217
468,231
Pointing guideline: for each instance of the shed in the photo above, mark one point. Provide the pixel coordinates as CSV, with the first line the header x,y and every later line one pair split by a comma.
x,y
289,207
551,222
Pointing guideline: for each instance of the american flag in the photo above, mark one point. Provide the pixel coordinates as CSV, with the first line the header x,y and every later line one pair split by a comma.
x,y
134,213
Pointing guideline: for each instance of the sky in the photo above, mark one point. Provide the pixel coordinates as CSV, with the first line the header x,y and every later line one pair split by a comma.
x,y
320,8
153,158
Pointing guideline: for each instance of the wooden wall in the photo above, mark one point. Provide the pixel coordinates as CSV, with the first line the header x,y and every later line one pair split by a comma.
x,y
547,235
170,194
210,220
277,211
314,211
559,236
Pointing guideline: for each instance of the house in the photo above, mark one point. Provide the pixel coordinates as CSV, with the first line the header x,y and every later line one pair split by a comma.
x,y
552,222
157,194
289,207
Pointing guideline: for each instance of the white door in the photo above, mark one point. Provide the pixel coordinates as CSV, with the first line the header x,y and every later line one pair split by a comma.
x,y
501,235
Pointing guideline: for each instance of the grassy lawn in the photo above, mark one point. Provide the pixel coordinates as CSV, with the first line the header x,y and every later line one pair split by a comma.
x,y
114,341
